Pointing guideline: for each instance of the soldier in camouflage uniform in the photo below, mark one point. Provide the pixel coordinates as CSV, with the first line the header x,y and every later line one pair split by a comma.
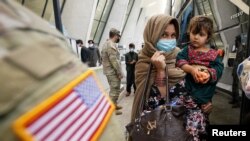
x,y
36,61
112,66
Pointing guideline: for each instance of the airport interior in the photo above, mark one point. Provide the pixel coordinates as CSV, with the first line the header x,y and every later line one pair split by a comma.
x,y
31,87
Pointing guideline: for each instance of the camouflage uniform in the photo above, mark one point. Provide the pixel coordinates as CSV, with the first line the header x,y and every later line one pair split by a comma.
x,y
112,68
36,61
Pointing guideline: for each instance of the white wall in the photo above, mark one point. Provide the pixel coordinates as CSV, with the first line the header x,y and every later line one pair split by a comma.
x,y
155,7
77,18
116,18
131,29
134,29
176,7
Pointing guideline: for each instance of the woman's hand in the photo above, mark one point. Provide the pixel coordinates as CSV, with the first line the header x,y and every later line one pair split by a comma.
x,y
205,77
158,59
196,74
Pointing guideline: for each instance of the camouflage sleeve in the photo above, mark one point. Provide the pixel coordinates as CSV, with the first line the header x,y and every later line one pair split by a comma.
x,y
112,53
99,56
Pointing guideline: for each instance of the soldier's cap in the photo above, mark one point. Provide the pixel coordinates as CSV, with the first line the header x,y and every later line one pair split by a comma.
x,y
115,31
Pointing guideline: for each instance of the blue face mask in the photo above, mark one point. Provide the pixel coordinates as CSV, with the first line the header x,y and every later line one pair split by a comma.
x,y
166,44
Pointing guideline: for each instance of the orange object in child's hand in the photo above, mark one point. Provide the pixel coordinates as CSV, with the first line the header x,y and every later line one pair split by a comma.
x,y
199,78
203,77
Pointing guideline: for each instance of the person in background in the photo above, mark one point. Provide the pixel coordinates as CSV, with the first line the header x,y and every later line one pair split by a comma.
x,y
139,51
84,51
142,45
131,58
204,68
112,67
94,54
240,55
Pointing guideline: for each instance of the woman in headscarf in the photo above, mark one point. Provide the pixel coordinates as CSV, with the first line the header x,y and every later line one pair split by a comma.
x,y
160,49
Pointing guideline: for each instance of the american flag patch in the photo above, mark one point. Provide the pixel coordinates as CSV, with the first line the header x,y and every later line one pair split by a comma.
x,y
79,111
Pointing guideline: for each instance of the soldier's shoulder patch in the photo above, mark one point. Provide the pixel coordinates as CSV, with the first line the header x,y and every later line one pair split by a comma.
x,y
78,111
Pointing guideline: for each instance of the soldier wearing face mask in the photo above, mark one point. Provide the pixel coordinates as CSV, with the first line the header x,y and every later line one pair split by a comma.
x,y
131,58
112,66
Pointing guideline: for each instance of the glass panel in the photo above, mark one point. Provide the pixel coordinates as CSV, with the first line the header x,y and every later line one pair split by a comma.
x,y
130,4
99,9
19,1
35,5
201,9
207,8
99,32
218,41
107,10
101,17
94,27
49,11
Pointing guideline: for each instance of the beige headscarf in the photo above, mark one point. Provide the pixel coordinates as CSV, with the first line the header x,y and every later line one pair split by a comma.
x,y
152,33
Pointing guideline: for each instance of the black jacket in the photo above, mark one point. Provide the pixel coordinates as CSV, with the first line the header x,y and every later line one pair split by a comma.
x,y
84,54
130,56
94,56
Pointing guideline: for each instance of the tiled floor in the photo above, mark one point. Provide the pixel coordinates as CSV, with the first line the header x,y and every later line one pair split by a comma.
x,y
223,113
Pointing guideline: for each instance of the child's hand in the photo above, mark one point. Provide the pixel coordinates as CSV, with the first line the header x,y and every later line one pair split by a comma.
x,y
205,77
196,74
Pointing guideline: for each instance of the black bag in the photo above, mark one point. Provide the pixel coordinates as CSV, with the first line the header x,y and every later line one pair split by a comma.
x,y
165,123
